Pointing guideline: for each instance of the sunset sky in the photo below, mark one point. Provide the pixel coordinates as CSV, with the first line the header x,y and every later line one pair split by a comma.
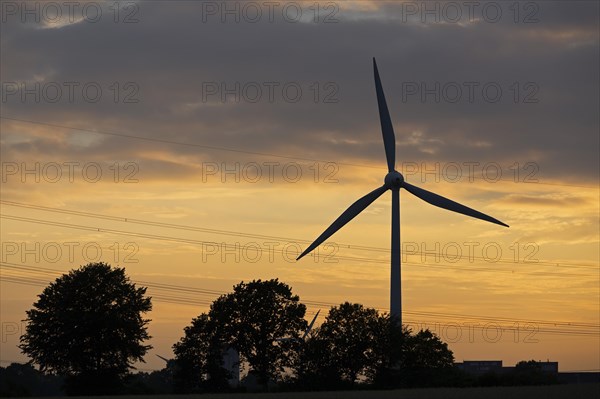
x,y
200,144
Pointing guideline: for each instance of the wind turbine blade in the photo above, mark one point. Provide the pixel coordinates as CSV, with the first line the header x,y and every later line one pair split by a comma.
x,y
345,217
389,139
310,326
442,202
163,358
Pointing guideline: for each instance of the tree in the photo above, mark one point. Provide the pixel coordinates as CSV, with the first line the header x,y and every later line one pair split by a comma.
x,y
253,317
427,361
410,360
429,351
390,350
347,337
314,368
24,380
199,357
87,326
357,343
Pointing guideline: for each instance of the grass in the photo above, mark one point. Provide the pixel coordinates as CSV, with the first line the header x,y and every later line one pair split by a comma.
x,y
529,392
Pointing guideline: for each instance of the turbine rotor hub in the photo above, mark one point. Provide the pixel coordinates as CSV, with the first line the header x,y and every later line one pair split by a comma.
x,y
394,179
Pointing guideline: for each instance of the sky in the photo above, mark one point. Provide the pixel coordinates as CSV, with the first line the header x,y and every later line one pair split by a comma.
x,y
200,144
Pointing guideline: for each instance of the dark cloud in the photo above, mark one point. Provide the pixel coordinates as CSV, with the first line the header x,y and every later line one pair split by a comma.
x,y
171,56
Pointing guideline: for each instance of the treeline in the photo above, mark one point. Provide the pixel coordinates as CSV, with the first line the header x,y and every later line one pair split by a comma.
x,y
526,372
264,323
25,380
87,329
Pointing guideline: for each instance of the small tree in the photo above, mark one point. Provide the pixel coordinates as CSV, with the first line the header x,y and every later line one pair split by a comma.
x,y
426,350
427,361
408,360
87,326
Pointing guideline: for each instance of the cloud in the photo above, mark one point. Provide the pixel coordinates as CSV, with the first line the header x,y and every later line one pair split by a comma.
x,y
171,56
547,200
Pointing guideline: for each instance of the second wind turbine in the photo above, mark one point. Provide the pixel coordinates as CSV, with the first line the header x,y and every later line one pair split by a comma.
x,y
393,181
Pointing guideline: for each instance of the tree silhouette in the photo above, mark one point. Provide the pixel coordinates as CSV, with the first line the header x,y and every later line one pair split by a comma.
x,y
427,351
357,343
391,348
254,316
87,326
199,357
348,337
314,368
410,360
427,361
529,372
24,380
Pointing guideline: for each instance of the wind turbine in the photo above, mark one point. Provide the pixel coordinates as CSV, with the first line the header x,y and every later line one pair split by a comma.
x,y
170,363
308,330
310,326
164,358
393,181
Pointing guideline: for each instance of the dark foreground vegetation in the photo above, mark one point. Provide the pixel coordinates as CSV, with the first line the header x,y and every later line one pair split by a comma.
x,y
19,380
87,328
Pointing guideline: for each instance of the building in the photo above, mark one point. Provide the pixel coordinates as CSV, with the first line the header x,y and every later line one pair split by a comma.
x,y
231,363
479,367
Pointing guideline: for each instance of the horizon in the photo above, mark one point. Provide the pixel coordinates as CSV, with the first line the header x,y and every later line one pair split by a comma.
x,y
198,152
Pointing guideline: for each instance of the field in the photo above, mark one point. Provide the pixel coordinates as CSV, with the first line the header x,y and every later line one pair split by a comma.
x,y
547,392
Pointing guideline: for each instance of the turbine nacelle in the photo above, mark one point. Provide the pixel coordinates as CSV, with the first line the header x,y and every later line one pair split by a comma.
x,y
394,179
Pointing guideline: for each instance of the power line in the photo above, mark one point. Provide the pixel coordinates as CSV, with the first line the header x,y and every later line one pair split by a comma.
x,y
266,237
191,302
575,328
163,141
284,253
161,224
136,137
